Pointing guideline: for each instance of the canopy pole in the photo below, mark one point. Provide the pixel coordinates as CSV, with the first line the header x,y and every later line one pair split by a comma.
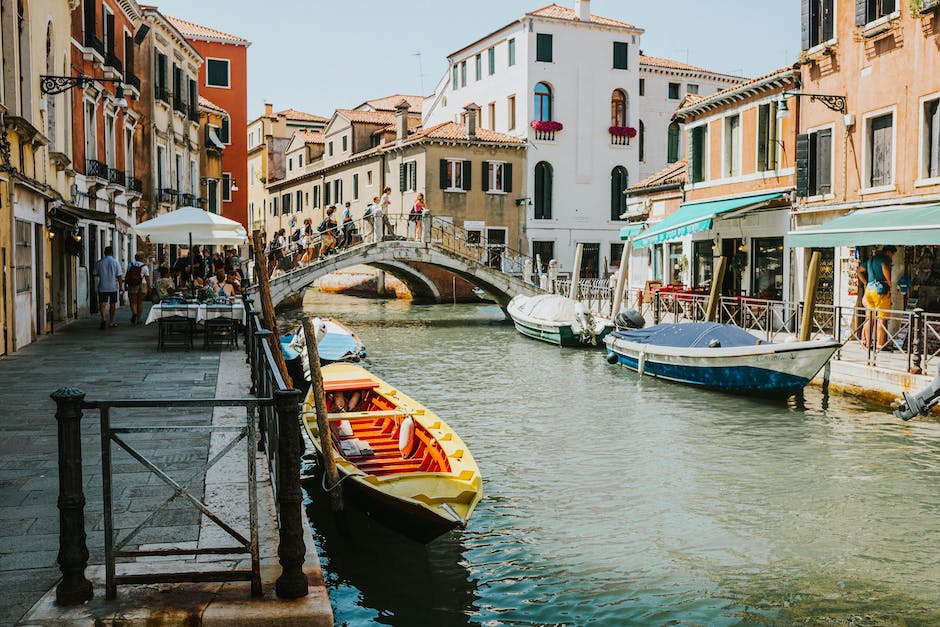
x,y
573,292
809,298
323,424
714,298
622,273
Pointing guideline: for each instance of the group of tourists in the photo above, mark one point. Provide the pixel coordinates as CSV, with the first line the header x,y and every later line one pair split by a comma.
x,y
204,275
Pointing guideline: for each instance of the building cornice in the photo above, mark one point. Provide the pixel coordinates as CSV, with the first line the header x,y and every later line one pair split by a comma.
x,y
756,87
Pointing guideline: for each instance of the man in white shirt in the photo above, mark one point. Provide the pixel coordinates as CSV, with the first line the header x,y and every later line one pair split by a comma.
x,y
381,212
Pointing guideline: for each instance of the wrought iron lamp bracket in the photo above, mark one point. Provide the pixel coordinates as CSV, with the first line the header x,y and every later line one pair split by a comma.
x,y
833,103
51,85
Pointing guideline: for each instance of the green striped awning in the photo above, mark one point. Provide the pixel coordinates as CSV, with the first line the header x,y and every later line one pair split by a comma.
x,y
631,230
873,227
697,216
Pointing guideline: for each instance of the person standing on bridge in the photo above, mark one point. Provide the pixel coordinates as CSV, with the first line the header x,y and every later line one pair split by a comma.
x,y
382,211
417,212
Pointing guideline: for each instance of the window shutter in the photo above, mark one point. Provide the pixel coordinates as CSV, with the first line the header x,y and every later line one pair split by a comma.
x,y
129,55
620,55
933,138
444,174
547,187
828,28
802,165
485,170
467,175
111,34
861,12
401,177
543,47
804,21
507,177
824,162
881,150
763,131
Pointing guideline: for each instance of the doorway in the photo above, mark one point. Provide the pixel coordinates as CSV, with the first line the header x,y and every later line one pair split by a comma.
x,y
733,249
590,260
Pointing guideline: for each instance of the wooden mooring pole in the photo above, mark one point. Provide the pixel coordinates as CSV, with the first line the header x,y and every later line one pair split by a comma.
x,y
323,422
267,308
809,298
714,297
575,290
622,275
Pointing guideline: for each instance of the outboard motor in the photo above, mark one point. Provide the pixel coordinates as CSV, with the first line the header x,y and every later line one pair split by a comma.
x,y
630,319
921,403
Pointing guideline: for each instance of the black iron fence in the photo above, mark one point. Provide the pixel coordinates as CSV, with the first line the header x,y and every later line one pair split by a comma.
x,y
272,424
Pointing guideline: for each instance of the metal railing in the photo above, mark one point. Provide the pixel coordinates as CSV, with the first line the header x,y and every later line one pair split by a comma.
x,y
96,169
474,245
116,177
596,294
277,432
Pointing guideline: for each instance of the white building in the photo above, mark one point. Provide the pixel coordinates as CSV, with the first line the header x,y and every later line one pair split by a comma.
x,y
569,83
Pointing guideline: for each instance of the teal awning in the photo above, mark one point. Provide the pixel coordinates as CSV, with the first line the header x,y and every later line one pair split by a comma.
x,y
697,216
873,227
631,230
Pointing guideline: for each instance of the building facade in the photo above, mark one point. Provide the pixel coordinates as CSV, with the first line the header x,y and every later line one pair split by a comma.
x,y
223,80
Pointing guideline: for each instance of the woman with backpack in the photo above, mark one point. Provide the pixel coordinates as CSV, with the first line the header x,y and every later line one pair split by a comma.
x,y
328,231
137,284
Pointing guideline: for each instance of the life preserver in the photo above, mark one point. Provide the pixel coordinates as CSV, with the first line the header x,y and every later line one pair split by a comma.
x,y
406,437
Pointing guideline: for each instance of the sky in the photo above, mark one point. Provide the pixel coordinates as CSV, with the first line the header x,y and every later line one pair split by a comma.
x,y
318,55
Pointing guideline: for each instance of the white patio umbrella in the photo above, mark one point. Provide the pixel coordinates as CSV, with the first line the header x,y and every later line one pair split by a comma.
x,y
191,224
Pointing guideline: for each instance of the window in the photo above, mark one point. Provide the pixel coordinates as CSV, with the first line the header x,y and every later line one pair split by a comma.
x,y
23,257
867,11
674,91
543,47
543,191
273,205
345,143
108,32
224,131
454,84
329,149
478,62
285,204
698,153
217,73
355,186
511,111
338,191
618,108
767,277
129,152
674,263
620,55
691,88
616,252
193,100
512,52
408,176
543,102
543,252
161,167
732,148
369,178
491,111
455,175
656,261
212,192
178,162
930,155
327,189
619,181
290,165
160,80
226,187
316,196
817,22
497,177
300,160
641,144
767,137
879,140
299,201
194,177
702,263
642,86
91,133
491,60
814,163
672,143
463,73
109,141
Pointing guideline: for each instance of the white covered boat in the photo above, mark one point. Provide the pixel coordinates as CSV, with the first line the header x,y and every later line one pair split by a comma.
x,y
558,320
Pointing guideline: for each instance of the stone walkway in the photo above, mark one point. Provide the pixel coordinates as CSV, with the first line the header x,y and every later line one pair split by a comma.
x,y
116,363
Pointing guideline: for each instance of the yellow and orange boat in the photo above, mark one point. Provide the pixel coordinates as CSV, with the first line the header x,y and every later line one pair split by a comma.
x,y
399,461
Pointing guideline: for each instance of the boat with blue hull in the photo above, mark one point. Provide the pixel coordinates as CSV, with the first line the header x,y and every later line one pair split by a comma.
x,y
335,343
719,356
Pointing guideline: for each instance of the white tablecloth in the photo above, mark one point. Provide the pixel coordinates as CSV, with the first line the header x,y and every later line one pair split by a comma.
x,y
200,313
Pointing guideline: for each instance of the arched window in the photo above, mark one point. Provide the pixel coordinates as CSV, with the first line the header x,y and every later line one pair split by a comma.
x,y
619,181
673,143
618,108
641,138
543,191
543,102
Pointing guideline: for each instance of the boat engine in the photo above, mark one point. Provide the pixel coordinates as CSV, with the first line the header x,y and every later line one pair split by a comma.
x,y
630,319
586,323
921,403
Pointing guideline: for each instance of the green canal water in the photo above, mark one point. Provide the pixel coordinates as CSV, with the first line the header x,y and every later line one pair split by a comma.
x,y
614,500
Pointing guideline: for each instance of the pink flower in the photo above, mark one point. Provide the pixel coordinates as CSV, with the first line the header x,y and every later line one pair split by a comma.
x,y
547,126
622,131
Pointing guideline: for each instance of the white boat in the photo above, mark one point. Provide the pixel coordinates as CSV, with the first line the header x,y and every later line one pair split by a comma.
x,y
558,320
719,356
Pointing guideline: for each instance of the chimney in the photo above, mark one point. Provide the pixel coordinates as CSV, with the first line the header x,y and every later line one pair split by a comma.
x,y
472,112
401,120
583,9
268,109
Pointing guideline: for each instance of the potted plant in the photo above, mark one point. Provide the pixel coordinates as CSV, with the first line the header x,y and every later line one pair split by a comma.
x,y
622,131
923,6
546,126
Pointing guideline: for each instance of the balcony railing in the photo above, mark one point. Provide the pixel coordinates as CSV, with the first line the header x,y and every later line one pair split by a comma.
x,y
133,184
619,140
167,195
92,42
188,200
545,129
96,169
116,177
132,81
160,92
193,112
113,62
179,104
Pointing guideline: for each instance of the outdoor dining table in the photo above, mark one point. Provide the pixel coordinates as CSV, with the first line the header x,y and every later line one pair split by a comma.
x,y
200,312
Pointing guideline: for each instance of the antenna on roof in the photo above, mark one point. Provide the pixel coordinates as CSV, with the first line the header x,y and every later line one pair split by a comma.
x,y
420,71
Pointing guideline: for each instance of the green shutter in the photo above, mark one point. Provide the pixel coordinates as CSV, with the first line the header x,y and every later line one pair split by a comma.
x,y
621,55
543,47
443,179
401,177
802,166
486,176
467,175
507,177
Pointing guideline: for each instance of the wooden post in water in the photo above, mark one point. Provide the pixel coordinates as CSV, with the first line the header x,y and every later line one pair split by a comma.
x,y
576,273
714,297
809,298
267,308
323,423
622,273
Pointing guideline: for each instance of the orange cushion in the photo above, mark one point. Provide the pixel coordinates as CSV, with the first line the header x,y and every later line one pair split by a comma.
x,y
349,384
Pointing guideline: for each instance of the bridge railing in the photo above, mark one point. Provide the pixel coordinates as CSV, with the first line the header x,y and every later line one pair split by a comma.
x,y
476,246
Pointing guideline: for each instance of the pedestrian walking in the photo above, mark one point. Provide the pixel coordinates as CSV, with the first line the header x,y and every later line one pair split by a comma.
x,y
328,230
110,282
137,284
348,227
417,212
381,215
369,218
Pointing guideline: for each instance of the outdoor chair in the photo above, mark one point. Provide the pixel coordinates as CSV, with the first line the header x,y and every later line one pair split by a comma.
x,y
176,327
221,327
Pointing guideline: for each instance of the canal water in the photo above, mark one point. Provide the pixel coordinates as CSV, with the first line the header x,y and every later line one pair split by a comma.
x,y
615,500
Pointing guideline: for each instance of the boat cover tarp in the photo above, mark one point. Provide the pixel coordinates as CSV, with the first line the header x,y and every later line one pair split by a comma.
x,y
548,307
689,335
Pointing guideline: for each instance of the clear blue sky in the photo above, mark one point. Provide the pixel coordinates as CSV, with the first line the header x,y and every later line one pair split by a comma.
x,y
320,55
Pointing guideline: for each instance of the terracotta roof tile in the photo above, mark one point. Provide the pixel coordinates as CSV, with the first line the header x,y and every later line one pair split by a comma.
x,y
781,72
294,114
310,137
367,117
388,103
191,30
672,173
558,12
455,130
208,104
670,64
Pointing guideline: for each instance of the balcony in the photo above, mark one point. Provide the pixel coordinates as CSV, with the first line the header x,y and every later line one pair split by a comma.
x,y
160,92
194,113
96,170
179,105
94,47
134,185
115,177
133,82
545,129
621,135
188,200
112,68
167,195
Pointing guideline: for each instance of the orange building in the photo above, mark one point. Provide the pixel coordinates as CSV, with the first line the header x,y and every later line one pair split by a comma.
x,y
869,173
223,79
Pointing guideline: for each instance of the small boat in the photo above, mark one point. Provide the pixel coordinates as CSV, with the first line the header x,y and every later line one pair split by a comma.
x,y
399,461
719,356
335,342
558,320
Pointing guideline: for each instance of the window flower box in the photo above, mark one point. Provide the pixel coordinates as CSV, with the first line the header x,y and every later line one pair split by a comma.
x,y
545,129
621,135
